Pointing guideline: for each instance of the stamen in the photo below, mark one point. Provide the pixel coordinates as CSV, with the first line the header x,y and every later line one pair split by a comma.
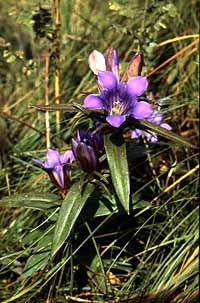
x,y
117,108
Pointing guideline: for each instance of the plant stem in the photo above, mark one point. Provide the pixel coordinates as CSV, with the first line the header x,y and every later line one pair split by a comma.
x,y
57,20
47,122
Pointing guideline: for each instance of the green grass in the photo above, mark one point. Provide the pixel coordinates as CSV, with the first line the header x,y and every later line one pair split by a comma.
x,y
150,255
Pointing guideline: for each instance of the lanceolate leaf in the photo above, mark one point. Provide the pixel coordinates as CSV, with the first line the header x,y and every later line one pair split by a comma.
x,y
166,133
69,212
64,108
39,201
40,256
117,160
36,262
96,273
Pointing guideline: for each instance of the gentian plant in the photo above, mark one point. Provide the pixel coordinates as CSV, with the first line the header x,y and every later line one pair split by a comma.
x,y
120,102
104,184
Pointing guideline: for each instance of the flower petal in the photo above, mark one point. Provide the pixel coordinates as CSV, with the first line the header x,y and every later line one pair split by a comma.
x,y
115,64
93,102
153,138
74,146
136,133
156,117
67,157
107,80
137,85
38,162
85,157
116,120
52,159
58,175
142,110
166,126
96,62
93,159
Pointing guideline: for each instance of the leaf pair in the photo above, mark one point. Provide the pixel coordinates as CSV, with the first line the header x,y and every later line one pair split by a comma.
x,y
70,209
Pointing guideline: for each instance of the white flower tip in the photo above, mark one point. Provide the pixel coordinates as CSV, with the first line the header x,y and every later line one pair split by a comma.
x,y
96,62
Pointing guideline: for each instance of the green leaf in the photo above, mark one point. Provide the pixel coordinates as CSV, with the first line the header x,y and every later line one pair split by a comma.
x,y
69,212
40,201
95,267
99,206
60,107
88,111
104,210
96,274
41,255
139,203
36,262
166,133
32,236
117,160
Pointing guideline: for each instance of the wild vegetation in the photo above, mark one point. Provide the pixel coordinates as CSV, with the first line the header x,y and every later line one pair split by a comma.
x,y
118,220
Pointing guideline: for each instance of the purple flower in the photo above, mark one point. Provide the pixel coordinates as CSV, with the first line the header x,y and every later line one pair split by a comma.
x,y
58,168
87,149
119,100
152,137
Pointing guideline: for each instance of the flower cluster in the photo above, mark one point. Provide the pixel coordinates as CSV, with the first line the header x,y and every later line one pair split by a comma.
x,y
119,100
86,150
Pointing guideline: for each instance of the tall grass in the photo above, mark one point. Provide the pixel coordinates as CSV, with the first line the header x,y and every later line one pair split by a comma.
x,y
150,255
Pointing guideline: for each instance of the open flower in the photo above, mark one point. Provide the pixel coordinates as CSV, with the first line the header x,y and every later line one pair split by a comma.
x,y
119,100
152,137
87,149
58,168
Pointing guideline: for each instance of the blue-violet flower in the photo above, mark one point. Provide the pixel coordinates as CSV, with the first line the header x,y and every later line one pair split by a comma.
x,y
152,137
87,149
58,168
119,100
